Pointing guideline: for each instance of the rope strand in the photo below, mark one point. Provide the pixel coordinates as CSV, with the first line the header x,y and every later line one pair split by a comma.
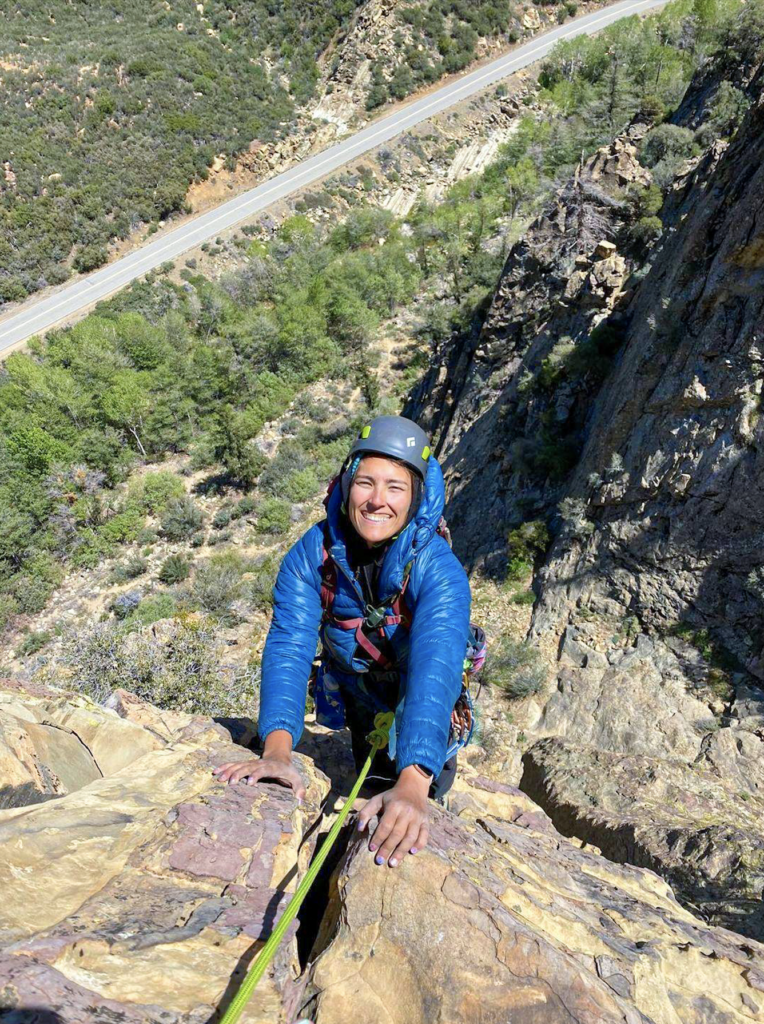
x,y
378,738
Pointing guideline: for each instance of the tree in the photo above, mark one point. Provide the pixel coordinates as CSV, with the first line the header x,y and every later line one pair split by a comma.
x,y
141,341
522,185
232,446
36,449
667,140
127,402
181,518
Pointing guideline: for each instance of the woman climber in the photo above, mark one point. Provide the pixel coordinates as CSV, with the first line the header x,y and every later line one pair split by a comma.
x,y
390,602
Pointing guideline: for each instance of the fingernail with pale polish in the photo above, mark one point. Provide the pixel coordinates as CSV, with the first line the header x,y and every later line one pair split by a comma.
x,y
413,849
372,847
379,860
392,862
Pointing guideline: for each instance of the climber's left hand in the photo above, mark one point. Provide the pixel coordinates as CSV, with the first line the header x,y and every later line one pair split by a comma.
x,y
404,813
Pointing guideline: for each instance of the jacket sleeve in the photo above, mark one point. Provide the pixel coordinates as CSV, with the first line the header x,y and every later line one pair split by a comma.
x,y
437,648
292,638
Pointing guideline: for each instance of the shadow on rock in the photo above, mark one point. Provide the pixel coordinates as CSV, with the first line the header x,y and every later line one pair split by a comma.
x,y
29,1015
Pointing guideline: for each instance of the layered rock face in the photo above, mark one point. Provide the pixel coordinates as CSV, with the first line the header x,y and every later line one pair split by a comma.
x,y
143,893
495,426
678,528
501,919
143,896
674,546
664,814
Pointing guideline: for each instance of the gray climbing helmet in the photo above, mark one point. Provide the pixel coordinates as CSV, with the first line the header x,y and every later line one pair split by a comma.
x,y
396,437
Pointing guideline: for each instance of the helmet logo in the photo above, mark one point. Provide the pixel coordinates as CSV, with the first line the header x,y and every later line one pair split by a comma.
x,y
411,442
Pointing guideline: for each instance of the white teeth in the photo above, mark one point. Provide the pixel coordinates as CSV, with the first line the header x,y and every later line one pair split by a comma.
x,y
375,519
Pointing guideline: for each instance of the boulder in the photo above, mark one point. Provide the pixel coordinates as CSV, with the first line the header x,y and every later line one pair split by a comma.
x,y
692,825
498,921
146,893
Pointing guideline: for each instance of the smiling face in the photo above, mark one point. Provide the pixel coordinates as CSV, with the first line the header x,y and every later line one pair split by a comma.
x,y
379,499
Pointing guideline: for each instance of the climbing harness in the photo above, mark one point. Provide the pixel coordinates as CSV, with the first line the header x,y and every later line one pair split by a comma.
x,y
374,621
378,738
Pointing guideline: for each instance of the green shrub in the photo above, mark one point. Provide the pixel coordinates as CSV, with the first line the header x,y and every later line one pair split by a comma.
x,y
723,114
647,229
363,227
219,538
90,257
301,485
122,527
217,584
125,604
32,593
665,148
182,518
515,668
175,569
262,579
9,607
526,544
33,642
376,96
153,608
129,570
181,668
291,458
154,491
244,507
222,518
273,516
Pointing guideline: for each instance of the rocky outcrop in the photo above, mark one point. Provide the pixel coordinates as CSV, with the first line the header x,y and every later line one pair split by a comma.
x,y
503,432
686,822
504,920
143,894
669,540
651,601
677,529
51,745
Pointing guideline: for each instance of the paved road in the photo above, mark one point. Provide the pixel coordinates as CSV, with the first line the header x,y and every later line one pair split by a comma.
x,y
38,316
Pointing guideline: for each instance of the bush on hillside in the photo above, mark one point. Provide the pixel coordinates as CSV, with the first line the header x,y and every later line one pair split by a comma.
x,y
182,518
515,668
174,569
182,668
273,516
154,491
218,583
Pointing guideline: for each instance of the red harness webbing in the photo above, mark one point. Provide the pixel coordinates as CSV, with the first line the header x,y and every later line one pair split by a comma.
x,y
401,613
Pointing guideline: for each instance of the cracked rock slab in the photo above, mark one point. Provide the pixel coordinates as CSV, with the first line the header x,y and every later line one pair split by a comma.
x,y
686,822
145,894
496,921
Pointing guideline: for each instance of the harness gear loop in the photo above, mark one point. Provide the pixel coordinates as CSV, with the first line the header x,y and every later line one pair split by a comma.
x,y
378,738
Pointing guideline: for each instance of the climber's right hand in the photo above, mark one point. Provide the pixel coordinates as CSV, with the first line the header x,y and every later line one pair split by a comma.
x,y
275,767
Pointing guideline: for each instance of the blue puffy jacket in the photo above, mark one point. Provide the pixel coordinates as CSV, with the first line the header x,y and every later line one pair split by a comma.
x,y
430,656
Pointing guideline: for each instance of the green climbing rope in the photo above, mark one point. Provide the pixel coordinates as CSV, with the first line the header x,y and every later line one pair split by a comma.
x,y
378,738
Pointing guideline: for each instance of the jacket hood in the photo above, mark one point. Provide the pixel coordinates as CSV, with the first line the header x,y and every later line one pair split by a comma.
x,y
412,539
